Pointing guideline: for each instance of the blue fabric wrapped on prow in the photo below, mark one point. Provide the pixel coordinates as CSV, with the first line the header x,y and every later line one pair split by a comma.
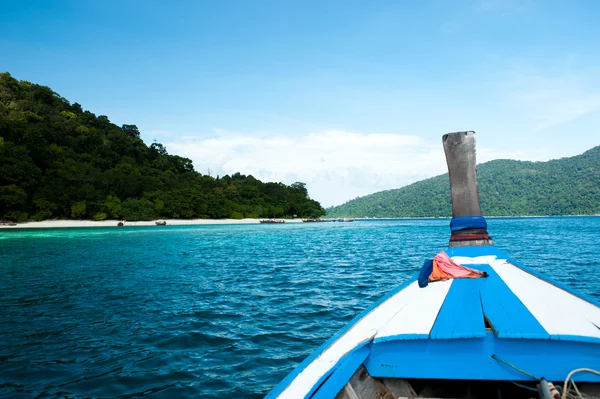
x,y
467,222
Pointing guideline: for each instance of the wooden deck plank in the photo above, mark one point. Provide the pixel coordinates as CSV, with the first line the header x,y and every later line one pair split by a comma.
x,y
416,318
562,314
505,312
461,315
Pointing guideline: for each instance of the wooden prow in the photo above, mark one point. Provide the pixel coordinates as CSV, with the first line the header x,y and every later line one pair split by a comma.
x,y
460,156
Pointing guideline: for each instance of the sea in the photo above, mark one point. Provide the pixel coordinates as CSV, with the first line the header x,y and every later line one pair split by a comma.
x,y
218,311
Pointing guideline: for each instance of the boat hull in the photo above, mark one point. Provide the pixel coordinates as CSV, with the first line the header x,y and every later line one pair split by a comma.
x,y
450,330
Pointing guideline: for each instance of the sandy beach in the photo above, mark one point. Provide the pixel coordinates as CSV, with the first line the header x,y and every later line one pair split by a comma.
x,y
113,223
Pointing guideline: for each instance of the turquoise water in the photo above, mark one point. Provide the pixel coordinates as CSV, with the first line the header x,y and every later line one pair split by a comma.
x,y
221,311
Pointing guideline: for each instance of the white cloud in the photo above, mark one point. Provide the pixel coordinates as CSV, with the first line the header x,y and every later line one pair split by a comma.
x,y
336,165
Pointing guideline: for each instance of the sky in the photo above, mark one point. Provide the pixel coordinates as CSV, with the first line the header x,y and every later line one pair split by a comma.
x,y
350,97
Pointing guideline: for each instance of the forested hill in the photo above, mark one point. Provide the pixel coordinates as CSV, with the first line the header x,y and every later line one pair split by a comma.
x,y
567,186
59,161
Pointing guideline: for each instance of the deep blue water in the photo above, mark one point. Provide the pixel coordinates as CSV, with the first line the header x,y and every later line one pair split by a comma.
x,y
221,311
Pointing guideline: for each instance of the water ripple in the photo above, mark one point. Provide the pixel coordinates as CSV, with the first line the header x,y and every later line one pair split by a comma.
x,y
214,311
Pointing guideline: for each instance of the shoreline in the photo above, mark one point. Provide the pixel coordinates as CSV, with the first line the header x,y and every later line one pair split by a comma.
x,y
50,224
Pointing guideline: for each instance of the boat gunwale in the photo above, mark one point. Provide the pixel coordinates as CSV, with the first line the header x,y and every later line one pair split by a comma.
x,y
279,388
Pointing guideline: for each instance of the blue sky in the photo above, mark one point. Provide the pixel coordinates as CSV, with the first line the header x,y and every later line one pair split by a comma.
x,y
351,97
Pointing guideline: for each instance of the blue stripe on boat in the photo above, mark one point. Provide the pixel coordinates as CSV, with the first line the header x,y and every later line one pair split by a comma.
x,y
579,338
471,359
549,280
400,337
461,315
342,373
474,251
490,250
505,312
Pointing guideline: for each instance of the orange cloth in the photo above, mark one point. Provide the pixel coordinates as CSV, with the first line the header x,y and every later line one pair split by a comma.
x,y
444,269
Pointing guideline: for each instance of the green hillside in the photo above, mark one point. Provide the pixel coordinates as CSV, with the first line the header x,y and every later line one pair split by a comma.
x,y
59,161
567,186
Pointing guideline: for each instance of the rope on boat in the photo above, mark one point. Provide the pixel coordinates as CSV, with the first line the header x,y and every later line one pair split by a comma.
x,y
515,367
568,380
542,381
570,375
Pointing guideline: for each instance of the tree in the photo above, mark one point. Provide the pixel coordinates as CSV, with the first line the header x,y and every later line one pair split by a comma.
x,y
113,206
57,160
159,148
12,197
131,130
78,209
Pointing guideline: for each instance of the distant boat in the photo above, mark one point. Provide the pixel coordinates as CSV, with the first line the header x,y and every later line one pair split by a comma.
x,y
500,333
271,221
160,222
346,220
315,220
